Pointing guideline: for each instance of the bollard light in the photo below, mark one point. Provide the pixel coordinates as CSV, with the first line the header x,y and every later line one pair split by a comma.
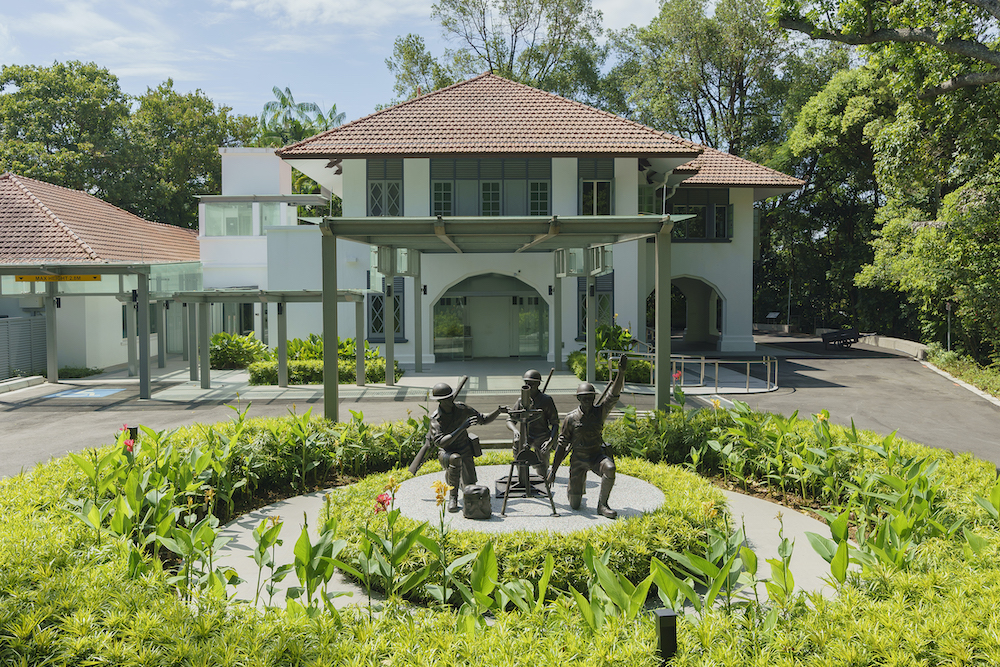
x,y
666,632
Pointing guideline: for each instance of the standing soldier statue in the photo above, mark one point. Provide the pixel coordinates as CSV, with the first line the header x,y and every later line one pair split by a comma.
x,y
449,431
542,426
582,436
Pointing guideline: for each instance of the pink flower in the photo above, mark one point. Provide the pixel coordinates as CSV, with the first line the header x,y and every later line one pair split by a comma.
x,y
124,428
129,445
677,375
382,502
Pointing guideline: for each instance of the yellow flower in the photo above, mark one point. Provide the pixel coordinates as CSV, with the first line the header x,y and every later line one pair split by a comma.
x,y
440,491
708,507
273,519
821,417
716,404
392,485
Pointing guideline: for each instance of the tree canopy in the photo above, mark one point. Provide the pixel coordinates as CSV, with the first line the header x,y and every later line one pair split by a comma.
x,y
549,44
70,124
962,34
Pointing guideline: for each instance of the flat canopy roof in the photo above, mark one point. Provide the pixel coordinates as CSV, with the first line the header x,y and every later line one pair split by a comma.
x,y
266,296
81,268
497,234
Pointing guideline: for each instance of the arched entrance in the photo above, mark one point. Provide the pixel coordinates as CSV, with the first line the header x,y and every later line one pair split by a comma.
x,y
491,316
704,308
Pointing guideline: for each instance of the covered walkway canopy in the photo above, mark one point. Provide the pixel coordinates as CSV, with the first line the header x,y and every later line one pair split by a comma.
x,y
199,334
61,280
505,234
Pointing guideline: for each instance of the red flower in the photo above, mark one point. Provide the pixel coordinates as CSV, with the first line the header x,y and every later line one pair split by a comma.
x,y
124,428
677,375
382,502
129,445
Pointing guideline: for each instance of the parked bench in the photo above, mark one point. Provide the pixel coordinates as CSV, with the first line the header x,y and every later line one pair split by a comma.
x,y
842,339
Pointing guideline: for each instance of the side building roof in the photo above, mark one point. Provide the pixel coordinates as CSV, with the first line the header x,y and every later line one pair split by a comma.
x,y
41,222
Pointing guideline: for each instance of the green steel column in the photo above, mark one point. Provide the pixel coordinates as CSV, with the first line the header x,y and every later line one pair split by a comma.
x,y
556,317
133,368
418,322
192,338
185,354
51,346
204,320
591,327
161,335
282,344
142,310
359,348
331,399
389,326
661,352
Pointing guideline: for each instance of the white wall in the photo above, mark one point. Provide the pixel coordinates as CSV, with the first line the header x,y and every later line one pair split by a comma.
x,y
355,188
417,187
234,261
728,268
564,186
254,171
296,263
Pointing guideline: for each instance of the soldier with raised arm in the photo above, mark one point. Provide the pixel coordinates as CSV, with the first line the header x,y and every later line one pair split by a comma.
x,y
449,432
582,435
542,427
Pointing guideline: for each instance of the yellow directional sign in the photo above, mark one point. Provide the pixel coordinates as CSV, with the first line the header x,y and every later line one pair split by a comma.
x,y
55,279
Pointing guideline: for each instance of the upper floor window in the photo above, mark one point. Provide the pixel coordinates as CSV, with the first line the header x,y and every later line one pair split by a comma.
x,y
490,187
229,219
385,187
713,214
596,178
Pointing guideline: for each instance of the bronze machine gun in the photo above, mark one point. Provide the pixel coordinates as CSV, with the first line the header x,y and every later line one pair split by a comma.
x,y
524,457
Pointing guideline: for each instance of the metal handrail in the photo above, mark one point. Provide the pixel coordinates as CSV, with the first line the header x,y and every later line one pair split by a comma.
x,y
679,363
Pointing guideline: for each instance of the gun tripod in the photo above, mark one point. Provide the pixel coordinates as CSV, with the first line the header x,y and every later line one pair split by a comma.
x,y
527,485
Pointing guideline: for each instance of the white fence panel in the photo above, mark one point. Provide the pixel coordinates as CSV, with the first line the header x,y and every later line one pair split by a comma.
x,y
22,346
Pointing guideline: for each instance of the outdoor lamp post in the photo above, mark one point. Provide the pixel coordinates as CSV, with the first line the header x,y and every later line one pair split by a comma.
x,y
666,633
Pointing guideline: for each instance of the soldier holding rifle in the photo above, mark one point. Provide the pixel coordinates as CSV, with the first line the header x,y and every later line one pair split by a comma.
x,y
449,431
543,426
582,435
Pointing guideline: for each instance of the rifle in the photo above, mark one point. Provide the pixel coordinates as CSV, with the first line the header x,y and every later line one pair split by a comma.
x,y
418,460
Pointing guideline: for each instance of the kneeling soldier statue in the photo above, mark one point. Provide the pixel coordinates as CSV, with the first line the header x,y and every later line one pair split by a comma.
x,y
582,435
449,431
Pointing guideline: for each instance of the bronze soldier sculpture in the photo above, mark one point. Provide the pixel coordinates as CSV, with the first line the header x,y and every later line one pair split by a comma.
x,y
449,431
542,427
582,436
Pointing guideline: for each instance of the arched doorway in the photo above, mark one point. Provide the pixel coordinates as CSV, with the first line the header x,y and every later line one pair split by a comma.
x,y
491,316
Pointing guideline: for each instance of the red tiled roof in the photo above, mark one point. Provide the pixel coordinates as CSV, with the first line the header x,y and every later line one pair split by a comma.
x,y
41,222
490,114
715,168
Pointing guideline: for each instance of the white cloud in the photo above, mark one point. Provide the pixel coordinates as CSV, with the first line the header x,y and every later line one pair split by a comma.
x,y
334,12
9,50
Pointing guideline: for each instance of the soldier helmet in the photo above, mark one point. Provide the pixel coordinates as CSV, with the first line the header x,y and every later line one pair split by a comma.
x,y
441,391
585,388
532,376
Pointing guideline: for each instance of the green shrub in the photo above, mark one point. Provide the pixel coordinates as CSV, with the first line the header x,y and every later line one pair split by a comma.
x,y
985,378
311,372
68,599
70,372
312,349
229,351
638,371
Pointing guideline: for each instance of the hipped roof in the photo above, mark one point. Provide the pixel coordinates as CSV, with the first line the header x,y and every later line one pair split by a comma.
x,y
41,222
490,114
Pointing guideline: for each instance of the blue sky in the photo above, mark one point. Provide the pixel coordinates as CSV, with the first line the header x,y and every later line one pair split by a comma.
x,y
236,51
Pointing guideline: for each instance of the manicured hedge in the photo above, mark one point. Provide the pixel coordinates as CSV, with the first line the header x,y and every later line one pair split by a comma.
x,y
67,599
637,372
311,371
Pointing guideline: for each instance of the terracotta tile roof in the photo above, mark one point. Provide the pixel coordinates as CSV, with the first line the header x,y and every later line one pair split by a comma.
x,y
715,168
41,222
490,114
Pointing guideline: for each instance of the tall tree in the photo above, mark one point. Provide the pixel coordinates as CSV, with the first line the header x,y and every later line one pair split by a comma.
x,y
66,124
284,121
549,44
962,34
721,79
178,137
